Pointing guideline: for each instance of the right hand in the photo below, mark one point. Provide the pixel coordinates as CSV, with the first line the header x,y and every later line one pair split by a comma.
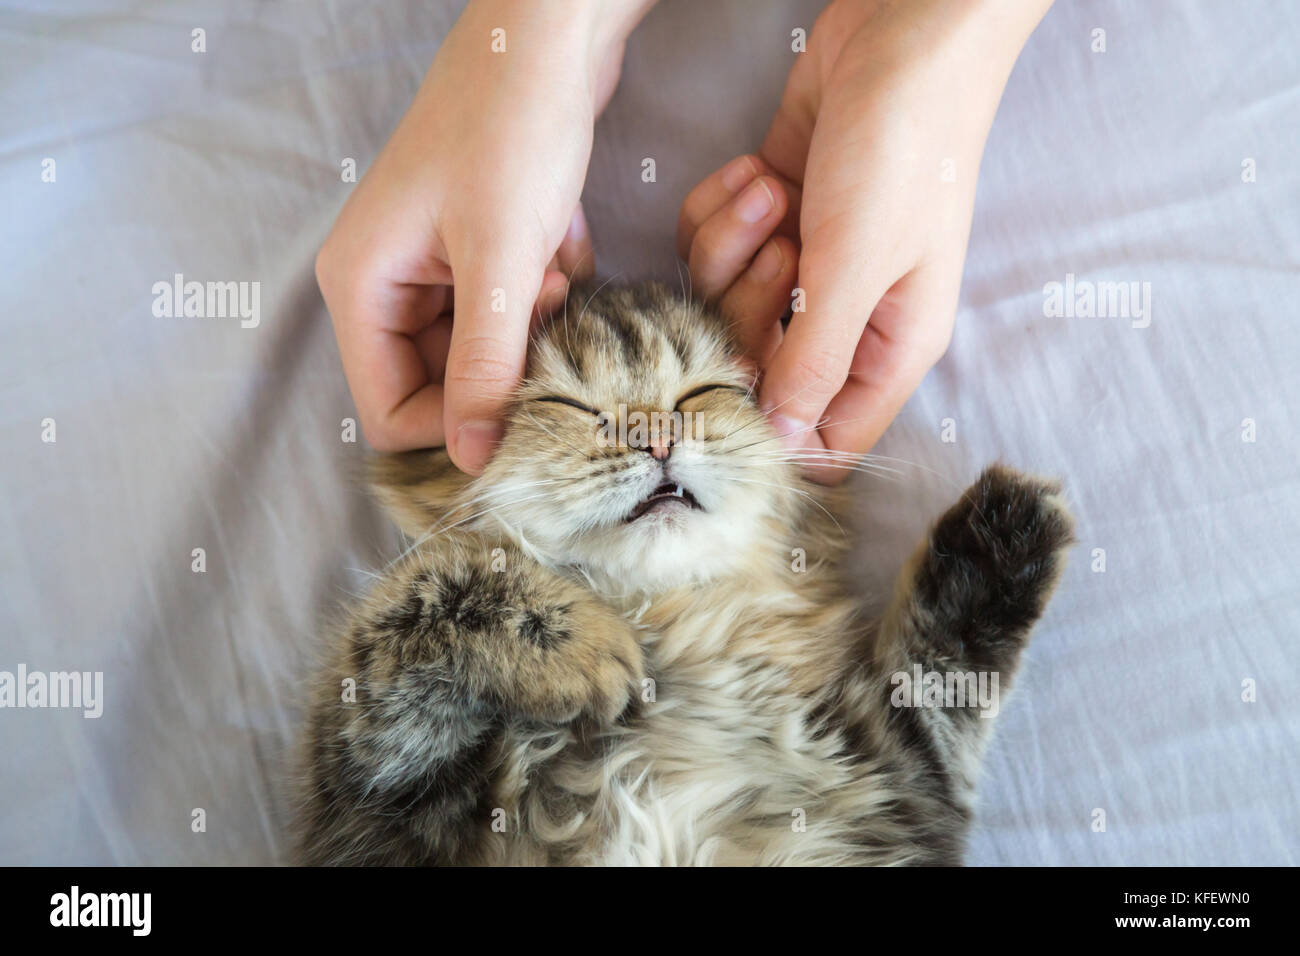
x,y
886,97
477,191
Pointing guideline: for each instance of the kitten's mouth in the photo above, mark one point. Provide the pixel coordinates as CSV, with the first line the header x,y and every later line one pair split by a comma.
x,y
667,497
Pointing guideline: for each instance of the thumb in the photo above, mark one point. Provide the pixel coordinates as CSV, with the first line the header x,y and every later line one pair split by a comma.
x,y
833,301
485,361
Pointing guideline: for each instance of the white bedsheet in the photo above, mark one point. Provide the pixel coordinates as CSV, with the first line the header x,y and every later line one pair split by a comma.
x,y
175,434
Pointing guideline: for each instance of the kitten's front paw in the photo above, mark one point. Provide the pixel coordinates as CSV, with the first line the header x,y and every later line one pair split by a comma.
x,y
617,679
995,556
591,664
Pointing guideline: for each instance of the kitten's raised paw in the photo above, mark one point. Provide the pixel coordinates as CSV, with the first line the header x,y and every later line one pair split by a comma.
x,y
590,663
994,558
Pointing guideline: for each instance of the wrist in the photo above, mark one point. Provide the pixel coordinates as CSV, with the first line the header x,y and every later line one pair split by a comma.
x,y
556,37
591,28
607,23
976,40
997,28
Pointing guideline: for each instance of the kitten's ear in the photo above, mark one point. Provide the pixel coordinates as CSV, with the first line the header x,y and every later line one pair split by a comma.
x,y
416,488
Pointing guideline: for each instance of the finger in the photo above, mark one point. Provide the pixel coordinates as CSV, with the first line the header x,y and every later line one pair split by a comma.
x,y
758,299
575,257
709,196
785,147
859,415
812,363
907,334
495,296
865,407
555,286
386,368
913,320
726,242
399,406
433,344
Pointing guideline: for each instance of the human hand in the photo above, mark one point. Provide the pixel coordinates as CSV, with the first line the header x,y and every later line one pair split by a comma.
x,y
476,192
871,162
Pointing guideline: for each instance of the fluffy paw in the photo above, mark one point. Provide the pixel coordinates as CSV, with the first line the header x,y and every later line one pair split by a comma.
x,y
994,558
587,661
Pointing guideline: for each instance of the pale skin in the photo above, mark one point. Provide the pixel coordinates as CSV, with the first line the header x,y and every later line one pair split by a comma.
x,y
468,224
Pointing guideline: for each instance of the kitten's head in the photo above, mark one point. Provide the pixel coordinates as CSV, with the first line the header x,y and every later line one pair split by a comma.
x,y
635,449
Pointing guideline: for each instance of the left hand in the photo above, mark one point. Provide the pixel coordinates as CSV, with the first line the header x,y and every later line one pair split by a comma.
x,y
866,180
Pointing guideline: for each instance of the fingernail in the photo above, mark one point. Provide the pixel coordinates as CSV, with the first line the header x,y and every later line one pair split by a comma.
x,y
551,299
755,202
737,173
475,442
793,432
577,226
769,263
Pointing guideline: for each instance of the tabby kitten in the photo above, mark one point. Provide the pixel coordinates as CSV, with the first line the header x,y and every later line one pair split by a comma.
x,y
638,645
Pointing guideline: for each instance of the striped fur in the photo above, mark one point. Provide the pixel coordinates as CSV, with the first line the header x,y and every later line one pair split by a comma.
x,y
540,681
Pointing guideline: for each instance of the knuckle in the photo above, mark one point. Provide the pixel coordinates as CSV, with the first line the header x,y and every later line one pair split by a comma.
x,y
939,347
341,277
710,237
930,349
689,214
380,434
815,376
714,265
324,267
693,216
481,366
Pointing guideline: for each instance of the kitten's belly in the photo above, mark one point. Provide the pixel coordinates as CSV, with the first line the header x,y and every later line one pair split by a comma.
x,y
719,769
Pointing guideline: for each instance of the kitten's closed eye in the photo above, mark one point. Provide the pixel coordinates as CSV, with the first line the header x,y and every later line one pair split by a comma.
x,y
709,388
693,393
571,402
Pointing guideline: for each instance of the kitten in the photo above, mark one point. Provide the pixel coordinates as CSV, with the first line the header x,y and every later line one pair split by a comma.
x,y
638,646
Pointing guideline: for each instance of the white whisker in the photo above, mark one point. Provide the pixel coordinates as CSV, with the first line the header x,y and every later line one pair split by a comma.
x,y
797,491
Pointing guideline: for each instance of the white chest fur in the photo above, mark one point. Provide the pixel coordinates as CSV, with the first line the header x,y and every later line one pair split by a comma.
x,y
717,765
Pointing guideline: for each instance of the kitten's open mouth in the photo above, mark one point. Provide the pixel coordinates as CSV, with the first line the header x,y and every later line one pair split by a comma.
x,y
666,497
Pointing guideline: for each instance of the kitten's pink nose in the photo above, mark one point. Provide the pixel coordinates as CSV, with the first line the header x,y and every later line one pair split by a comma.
x,y
661,446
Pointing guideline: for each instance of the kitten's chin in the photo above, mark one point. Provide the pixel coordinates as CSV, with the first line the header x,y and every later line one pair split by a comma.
x,y
669,548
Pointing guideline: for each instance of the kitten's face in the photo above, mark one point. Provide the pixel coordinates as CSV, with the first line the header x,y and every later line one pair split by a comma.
x,y
636,450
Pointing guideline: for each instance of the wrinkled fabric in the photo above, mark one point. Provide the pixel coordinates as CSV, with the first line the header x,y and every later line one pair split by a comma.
x,y
1157,717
